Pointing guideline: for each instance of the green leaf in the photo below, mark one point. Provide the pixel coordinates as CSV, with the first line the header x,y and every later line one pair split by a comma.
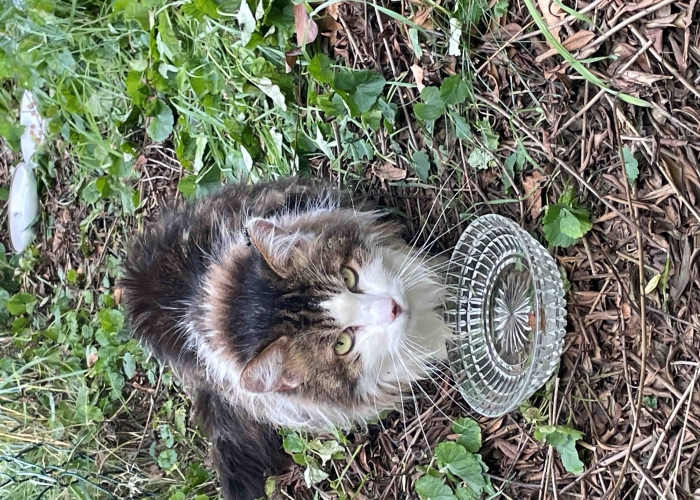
x,y
501,8
179,420
12,133
364,87
133,10
566,222
564,441
72,275
388,110
631,165
326,449
465,494
470,434
167,42
293,443
571,226
372,118
489,137
313,474
111,320
167,459
162,122
456,459
129,365
320,69
415,43
421,164
85,411
432,106
100,103
431,488
187,185
462,128
479,159
21,303
166,435
453,90
650,402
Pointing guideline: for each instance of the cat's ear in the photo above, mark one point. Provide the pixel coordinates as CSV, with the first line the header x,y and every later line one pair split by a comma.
x,y
269,371
281,249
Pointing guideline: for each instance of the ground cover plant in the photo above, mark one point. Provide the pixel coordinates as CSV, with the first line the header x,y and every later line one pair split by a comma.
x,y
580,120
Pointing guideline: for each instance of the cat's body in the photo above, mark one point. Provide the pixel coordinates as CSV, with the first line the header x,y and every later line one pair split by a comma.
x,y
279,306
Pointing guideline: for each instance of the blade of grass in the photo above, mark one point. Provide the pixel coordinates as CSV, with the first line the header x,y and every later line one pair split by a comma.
x,y
575,14
575,63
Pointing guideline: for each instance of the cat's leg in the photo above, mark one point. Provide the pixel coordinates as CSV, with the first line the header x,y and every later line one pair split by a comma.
x,y
245,452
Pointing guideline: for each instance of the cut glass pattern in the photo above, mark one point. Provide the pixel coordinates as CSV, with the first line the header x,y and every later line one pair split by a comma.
x,y
506,306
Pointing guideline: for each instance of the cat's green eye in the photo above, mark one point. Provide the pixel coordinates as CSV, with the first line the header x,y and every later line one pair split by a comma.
x,y
349,277
344,344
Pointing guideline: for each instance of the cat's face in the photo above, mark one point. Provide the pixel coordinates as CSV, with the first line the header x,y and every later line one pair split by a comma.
x,y
350,314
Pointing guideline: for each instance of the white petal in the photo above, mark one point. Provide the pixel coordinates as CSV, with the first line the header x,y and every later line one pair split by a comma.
x,y
34,126
23,207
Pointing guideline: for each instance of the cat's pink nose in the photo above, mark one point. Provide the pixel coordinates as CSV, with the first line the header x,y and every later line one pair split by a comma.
x,y
395,310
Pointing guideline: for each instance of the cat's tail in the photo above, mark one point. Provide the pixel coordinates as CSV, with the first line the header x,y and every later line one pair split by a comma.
x,y
245,452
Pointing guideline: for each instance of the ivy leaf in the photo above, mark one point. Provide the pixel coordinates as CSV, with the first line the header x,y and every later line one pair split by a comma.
x,y
431,488
111,320
456,459
363,86
320,69
161,123
167,459
565,222
470,434
631,165
453,90
432,106
293,443
564,441
421,164
21,303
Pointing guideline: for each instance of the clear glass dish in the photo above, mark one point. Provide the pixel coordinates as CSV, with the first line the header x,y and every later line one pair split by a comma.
x,y
506,307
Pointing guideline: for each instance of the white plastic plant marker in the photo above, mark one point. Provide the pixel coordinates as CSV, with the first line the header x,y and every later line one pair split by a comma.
x,y
23,206
34,127
506,308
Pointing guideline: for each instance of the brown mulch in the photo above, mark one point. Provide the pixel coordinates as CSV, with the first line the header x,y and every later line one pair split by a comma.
x,y
573,130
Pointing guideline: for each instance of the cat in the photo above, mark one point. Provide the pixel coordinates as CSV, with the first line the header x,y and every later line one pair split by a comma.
x,y
281,304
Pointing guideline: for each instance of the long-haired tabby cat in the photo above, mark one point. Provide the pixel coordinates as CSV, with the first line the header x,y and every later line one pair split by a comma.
x,y
280,304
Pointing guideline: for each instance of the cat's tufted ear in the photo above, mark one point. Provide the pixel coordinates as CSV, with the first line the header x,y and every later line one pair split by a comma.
x,y
269,370
281,249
